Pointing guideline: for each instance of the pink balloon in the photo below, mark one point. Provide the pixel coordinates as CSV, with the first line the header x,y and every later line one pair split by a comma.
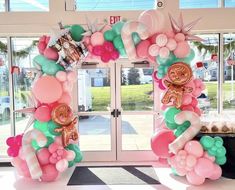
x,y
98,50
195,179
154,20
47,39
187,99
204,167
197,92
114,55
106,28
43,156
62,165
162,137
154,50
194,102
142,49
108,46
152,39
51,53
191,161
187,108
161,85
105,57
65,98
179,37
90,48
171,44
41,47
182,49
194,148
97,39
47,89
161,40
164,52
49,173
170,34
154,75
71,76
217,172
61,76
70,155
67,86
43,113
206,155
86,40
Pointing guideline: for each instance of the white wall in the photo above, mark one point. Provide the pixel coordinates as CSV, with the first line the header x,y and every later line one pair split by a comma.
x,y
31,23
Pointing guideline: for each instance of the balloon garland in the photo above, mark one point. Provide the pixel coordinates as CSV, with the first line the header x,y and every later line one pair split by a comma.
x,y
51,146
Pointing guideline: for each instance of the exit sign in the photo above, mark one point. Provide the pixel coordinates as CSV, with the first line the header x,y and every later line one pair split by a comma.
x,y
114,19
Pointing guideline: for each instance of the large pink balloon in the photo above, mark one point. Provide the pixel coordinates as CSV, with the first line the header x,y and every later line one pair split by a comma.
x,y
49,173
154,20
160,141
217,172
51,53
97,39
43,113
142,49
194,148
47,89
195,179
204,167
65,98
182,50
43,156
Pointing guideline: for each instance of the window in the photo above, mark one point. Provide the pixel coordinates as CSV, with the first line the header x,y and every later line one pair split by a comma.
x,y
206,55
107,5
29,5
229,3
2,5
191,4
24,50
5,106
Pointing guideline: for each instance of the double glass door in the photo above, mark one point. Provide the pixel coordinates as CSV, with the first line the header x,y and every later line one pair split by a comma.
x,y
117,111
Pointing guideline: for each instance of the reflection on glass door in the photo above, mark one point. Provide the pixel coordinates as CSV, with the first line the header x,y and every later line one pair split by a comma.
x,y
5,102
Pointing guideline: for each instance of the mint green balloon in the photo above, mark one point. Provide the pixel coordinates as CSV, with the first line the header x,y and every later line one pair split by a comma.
x,y
117,27
51,128
48,67
75,148
76,32
118,43
174,171
122,52
136,38
170,113
109,35
50,140
71,163
220,160
171,59
182,128
42,126
187,59
221,152
207,142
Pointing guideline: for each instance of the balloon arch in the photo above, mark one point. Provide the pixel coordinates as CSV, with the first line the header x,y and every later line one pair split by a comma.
x,y
51,146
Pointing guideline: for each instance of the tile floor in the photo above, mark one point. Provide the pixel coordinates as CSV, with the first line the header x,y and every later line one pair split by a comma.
x,y
9,180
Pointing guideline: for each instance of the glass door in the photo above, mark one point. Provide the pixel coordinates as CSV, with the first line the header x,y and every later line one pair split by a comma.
x,y
136,100
94,102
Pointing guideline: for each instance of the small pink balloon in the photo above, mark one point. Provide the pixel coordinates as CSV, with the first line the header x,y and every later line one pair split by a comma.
x,y
67,86
187,99
195,179
187,108
43,113
71,76
161,85
106,28
90,48
182,50
217,172
51,54
194,148
41,47
86,40
97,38
171,44
47,89
61,76
204,167
197,111
164,138
108,46
154,75
154,50
70,155
98,50
43,156
47,39
164,52
179,37
142,49
197,92
49,173
105,57
62,165
161,40
170,34
194,102
114,55
191,161
65,98
53,147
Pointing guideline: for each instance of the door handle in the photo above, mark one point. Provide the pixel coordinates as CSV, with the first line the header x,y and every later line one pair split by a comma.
x,y
115,113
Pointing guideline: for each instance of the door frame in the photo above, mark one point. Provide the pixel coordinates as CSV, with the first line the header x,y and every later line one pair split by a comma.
x,y
116,153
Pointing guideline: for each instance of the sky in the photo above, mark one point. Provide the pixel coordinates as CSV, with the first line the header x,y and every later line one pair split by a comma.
x,y
96,5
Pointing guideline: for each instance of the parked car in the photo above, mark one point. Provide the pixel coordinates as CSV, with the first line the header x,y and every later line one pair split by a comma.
x,y
204,102
5,107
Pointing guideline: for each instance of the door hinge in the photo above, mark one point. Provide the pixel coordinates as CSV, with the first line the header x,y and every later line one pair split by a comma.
x,y
115,113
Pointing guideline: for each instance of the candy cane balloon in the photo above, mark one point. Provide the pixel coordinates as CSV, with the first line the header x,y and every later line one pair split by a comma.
x,y
189,134
29,152
127,30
